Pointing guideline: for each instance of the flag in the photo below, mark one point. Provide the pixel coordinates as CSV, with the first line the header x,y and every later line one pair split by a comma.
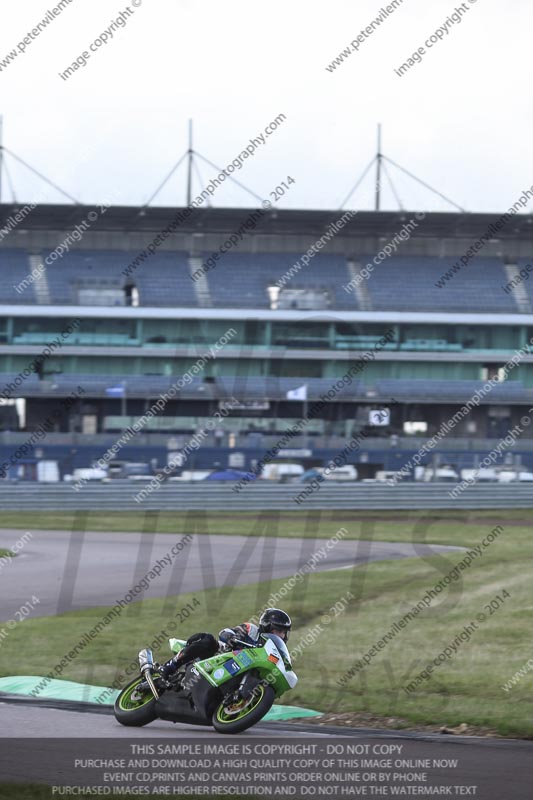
x,y
297,394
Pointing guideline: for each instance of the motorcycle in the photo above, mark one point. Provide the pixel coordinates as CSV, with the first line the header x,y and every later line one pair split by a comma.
x,y
231,691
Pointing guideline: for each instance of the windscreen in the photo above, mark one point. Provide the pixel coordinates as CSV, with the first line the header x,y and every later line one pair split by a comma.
x,y
282,647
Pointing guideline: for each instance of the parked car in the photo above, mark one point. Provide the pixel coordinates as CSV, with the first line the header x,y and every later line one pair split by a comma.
x,y
345,473
230,475
482,475
129,470
86,474
384,475
284,473
190,475
311,475
443,474
511,475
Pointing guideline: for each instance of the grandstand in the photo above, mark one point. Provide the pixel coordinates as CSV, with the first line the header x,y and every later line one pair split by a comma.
x,y
143,326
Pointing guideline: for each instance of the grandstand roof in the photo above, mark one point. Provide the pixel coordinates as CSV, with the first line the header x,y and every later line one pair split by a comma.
x,y
370,223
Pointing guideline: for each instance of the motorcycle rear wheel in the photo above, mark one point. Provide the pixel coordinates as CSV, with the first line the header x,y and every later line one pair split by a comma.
x,y
232,720
131,712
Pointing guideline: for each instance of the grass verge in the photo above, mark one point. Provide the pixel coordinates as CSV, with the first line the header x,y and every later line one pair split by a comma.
x,y
439,527
332,631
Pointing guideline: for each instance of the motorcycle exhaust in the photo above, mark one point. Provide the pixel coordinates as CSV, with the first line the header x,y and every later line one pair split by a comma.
x,y
146,663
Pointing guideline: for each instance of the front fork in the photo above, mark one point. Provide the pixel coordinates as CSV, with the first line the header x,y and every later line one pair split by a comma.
x,y
146,664
248,685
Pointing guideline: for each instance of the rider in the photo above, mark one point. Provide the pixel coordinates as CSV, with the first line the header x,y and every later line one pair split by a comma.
x,y
204,645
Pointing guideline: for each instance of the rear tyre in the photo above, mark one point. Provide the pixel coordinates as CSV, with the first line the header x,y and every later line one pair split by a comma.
x,y
134,710
238,717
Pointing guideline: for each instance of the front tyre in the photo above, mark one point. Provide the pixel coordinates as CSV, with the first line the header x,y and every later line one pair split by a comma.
x,y
133,708
237,717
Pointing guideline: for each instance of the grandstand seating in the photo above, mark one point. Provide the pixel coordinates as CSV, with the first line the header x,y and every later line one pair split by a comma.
x,y
272,388
252,388
240,280
409,284
25,384
277,388
75,269
164,280
257,388
14,268
452,391
525,285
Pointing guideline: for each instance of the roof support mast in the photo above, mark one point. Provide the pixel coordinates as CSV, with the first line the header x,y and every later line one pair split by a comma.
x,y
381,164
190,153
378,170
1,153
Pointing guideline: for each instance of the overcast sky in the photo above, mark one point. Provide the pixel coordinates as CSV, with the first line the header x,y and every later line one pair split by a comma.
x,y
461,119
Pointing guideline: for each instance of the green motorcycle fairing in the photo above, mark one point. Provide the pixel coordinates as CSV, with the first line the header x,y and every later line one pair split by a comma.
x,y
271,661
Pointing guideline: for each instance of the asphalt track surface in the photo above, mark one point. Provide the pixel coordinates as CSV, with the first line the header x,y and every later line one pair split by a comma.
x,y
28,718
75,570
490,769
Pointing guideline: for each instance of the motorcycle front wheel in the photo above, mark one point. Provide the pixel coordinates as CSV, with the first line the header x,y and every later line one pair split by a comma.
x,y
237,717
133,708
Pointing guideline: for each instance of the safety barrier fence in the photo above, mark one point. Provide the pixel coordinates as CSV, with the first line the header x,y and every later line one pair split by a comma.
x,y
260,496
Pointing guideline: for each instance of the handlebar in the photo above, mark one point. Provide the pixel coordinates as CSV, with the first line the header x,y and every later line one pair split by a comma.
x,y
244,644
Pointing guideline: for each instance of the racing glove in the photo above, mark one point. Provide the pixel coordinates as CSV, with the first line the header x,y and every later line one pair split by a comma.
x,y
247,632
